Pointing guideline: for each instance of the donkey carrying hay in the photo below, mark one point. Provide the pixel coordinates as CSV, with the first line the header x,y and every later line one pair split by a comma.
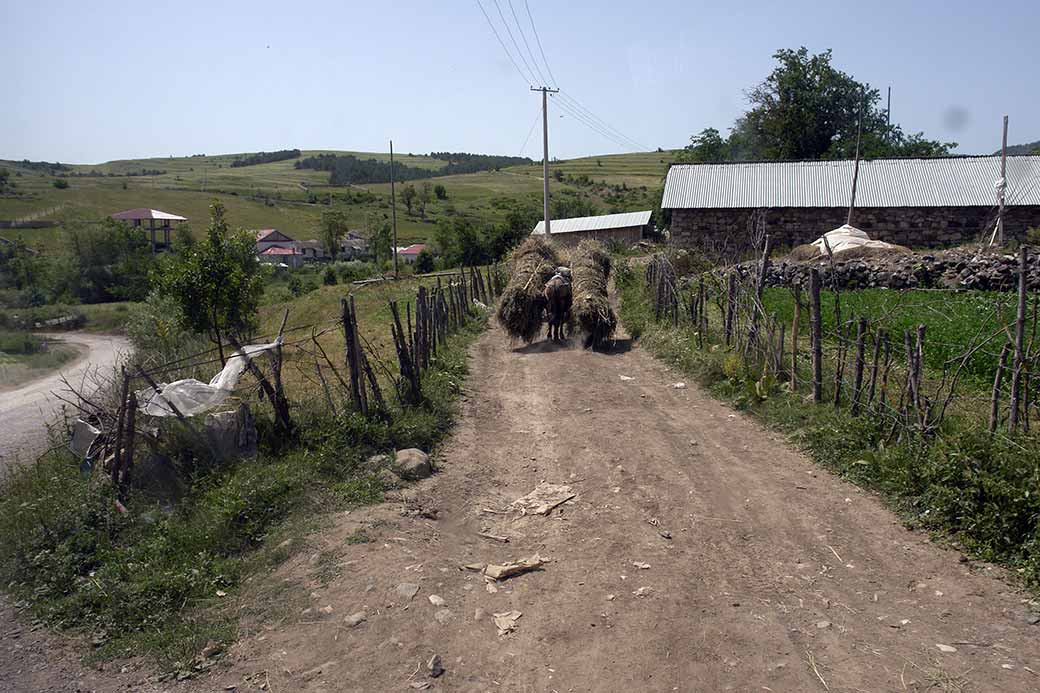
x,y
520,309
590,266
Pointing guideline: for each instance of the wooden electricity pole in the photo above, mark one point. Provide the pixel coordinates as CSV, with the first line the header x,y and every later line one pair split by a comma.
x,y
393,206
1002,185
855,170
545,152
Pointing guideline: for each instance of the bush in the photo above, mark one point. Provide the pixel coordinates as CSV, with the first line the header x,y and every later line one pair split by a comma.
x,y
328,277
20,343
60,183
354,270
424,262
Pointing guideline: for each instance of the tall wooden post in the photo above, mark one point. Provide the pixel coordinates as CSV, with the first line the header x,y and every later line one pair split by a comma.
x,y
815,323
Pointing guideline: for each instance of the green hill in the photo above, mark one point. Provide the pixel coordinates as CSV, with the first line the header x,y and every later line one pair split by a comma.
x,y
278,195
1021,149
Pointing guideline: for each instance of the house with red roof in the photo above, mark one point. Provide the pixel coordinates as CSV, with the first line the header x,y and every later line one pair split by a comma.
x,y
410,254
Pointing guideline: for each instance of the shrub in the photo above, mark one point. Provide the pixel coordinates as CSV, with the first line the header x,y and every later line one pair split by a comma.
x,y
328,277
424,262
60,183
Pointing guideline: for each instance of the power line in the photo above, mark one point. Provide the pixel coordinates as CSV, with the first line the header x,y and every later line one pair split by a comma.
x,y
595,127
539,41
515,44
530,132
502,43
527,45
604,123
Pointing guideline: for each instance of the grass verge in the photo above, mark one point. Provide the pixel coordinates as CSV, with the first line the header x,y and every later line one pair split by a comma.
x,y
153,580
978,488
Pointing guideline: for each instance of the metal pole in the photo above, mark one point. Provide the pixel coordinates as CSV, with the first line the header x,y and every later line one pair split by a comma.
x,y
855,171
393,206
1003,184
545,152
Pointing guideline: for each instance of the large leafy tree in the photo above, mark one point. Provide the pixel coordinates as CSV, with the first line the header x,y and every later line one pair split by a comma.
x,y
808,109
333,229
217,284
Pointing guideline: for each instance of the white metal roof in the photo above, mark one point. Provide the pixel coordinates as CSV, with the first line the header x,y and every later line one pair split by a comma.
x,y
596,223
941,182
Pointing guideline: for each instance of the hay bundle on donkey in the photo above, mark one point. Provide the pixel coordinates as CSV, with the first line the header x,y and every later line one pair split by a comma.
x,y
590,268
533,263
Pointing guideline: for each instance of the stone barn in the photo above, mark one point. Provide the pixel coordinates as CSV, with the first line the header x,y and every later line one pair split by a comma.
x,y
913,202
627,228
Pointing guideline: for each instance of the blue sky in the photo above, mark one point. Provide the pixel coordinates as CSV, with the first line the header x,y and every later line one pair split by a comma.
x,y
89,82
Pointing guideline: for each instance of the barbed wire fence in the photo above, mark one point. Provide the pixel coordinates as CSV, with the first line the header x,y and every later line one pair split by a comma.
x,y
862,363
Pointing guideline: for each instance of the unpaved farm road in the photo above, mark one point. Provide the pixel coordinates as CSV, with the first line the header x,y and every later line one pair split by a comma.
x,y
25,411
757,571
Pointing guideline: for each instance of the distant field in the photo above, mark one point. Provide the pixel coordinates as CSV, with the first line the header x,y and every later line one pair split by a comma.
x,y
276,195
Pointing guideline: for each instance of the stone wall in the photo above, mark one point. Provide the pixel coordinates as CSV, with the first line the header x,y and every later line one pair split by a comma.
x,y
915,227
945,269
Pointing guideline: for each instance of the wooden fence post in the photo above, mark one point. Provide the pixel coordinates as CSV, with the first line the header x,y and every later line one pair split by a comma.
x,y
797,291
815,323
998,380
1018,362
350,347
857,383
731,306
129,435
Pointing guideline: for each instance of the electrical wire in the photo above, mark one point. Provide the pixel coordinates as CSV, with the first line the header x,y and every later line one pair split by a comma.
x,y
527,45
592,125
511,38
502,43
579,106
539,41
530,132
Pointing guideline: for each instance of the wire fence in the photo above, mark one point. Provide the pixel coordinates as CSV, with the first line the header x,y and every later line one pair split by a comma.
x,y
351,382
871,365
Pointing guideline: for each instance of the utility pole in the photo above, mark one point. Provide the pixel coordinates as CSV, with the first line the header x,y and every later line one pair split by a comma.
x,y
393,206
1002,185
545,151
855,171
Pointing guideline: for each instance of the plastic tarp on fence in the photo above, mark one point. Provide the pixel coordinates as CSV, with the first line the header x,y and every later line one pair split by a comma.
x,y
192,396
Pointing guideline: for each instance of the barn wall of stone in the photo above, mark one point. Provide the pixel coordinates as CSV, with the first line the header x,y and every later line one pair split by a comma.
x,y
916,227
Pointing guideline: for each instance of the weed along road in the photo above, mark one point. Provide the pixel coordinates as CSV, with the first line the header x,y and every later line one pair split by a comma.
x,y
26,410
683,548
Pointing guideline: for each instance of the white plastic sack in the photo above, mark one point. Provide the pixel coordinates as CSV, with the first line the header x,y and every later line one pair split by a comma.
x,y
846,237
192,396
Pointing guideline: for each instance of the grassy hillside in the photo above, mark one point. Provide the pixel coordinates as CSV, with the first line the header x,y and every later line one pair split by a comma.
x,y
281,196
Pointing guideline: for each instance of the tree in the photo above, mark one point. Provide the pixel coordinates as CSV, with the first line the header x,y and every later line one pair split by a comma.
x,y
808,109
380,239
333,229
424,198
440,191
218,283
424,262
706,146
4,175
408,195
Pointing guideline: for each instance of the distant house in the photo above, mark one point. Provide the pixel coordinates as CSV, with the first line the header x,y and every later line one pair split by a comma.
x,y
157,220
353,246
267,238
279,255
312,251
627,228
410,254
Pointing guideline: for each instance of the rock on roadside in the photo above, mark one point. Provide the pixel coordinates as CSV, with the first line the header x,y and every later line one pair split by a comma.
x,y
412,464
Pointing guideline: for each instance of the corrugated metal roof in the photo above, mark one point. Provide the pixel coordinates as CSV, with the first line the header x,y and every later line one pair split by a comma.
x,y
941,182
142,213
596,223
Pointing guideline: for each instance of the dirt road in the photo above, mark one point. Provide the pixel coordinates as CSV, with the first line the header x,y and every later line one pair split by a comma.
x,y
701,553
25,411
